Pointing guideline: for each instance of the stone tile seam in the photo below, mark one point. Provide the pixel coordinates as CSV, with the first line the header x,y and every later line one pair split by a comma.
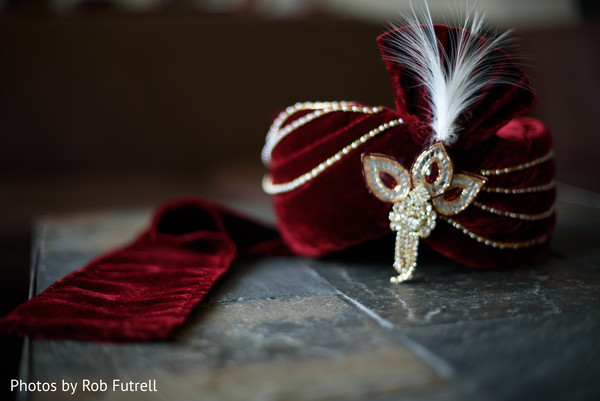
x,y
439,365
429,357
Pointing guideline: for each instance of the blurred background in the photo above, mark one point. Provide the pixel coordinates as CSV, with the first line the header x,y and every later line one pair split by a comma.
x,y
132,102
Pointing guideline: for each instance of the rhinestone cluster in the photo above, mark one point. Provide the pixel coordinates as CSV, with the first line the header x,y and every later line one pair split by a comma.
x,y
414,213
415,195
468,189
412,218
374,168
435,155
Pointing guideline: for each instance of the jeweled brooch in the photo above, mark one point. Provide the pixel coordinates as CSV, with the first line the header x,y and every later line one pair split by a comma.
x,y
431,187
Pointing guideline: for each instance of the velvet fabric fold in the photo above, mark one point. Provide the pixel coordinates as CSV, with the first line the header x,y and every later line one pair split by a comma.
x,y
147,289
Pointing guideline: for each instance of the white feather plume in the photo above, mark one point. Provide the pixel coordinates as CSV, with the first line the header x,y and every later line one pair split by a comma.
x,y
454,80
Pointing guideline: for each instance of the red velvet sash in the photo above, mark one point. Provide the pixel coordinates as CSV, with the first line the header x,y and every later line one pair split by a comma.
x,y
145,290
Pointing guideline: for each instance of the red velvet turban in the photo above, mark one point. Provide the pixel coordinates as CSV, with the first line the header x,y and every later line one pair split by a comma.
x,y
322,200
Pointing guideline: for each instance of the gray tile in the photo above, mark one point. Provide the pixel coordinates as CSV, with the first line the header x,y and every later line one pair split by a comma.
x,y
445,293
552,357
302,348
68,242
53,267
268,278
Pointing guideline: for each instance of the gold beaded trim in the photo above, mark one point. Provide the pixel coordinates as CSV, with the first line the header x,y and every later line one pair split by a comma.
x,y
525,190
518,167
272,188
520,216
496,244
277,132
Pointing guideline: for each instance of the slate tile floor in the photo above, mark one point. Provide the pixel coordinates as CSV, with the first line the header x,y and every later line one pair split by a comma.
x,y
336,329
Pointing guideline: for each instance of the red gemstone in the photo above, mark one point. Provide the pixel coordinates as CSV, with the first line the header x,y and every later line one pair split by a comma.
x,y
388,180
432,173
452,194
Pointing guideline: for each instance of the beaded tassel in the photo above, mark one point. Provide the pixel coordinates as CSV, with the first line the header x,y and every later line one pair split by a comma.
x,y
412,218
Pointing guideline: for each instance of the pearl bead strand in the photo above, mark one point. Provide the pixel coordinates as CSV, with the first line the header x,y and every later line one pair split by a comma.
x,y
492,243
277,132
523,166
278,188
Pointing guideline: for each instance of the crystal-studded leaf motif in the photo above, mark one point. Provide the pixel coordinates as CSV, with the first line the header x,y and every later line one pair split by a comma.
x,y
463,190
376,168
433,169
430,187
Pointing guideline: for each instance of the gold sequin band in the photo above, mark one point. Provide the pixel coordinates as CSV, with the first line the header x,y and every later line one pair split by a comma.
x,y
523,166
272,188
520,216
524,190
496,244
277,132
